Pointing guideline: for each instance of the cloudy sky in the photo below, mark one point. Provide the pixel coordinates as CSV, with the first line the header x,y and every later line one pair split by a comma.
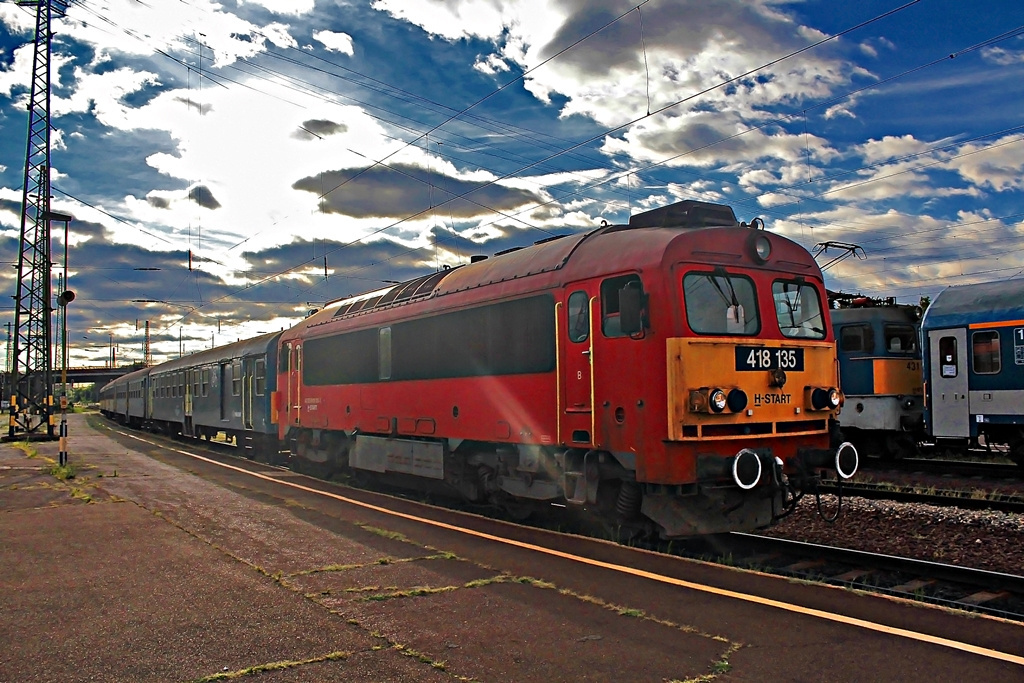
x,y
305,150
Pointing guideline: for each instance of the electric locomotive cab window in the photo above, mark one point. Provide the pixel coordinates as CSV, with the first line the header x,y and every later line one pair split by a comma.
x,y
611,324
798,309
578,310
900,338
854,338
721,303
985,349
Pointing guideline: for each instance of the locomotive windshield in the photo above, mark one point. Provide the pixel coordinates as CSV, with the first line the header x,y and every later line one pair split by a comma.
x,y
798,309
720,303
900,338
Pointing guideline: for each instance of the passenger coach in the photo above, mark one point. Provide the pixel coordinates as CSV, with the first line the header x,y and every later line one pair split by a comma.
x,y
974,365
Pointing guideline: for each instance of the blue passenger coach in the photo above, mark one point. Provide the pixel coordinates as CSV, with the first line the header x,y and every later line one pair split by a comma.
x,y
973,339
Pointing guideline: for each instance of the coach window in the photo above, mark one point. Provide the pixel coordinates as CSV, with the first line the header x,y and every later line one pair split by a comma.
x,y
720,303
384,353
900,338
610,288
854,338
195,381
206,382
578,309
985,349
260,376
236,378
948,360
798,309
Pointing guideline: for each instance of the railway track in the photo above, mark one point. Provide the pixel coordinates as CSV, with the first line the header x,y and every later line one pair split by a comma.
x,y
968,499
961,468
953,586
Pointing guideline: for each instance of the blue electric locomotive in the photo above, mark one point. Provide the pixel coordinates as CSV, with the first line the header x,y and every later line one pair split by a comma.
x,y
973,338
880,374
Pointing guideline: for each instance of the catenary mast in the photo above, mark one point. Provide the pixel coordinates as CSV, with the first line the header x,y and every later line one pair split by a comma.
x,y
31,367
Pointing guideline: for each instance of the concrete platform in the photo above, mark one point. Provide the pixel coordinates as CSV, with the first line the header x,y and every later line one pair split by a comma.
x,y
147,568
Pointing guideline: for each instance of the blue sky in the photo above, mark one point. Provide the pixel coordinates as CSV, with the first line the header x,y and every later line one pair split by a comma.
x,y
306,150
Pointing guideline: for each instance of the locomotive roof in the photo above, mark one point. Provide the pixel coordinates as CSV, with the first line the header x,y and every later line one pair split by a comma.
x,y
906,313
979,303
607,249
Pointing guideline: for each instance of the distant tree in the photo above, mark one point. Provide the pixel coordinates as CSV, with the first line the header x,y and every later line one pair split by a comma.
x,y
925,301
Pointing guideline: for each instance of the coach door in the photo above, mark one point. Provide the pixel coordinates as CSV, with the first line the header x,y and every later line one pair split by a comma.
x,y
577,341
948,380
248,381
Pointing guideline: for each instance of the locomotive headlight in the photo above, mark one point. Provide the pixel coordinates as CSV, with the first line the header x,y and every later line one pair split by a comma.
x,y
717,400
834,398
760,247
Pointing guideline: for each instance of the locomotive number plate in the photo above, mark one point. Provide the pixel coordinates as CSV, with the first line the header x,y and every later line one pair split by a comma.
x,y
761,358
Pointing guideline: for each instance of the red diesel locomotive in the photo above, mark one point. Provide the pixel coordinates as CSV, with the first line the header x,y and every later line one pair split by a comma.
x,y
677,374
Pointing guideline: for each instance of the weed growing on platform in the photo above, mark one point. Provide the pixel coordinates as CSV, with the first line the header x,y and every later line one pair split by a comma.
x,y
63,472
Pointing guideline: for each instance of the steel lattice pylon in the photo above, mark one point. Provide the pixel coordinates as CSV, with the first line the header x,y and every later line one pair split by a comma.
x,y
31,381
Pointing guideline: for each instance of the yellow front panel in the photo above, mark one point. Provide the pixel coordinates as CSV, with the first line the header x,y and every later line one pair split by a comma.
x,y
694,363
897,376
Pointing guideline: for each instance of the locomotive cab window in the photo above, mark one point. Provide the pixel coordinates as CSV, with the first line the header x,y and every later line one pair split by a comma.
x,y
282,359
798,309
611,308
900,338
720,303
985,352
578,310
853,338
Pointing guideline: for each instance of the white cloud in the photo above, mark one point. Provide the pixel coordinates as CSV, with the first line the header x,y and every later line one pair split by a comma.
x,y
1002,56
284,6
335,42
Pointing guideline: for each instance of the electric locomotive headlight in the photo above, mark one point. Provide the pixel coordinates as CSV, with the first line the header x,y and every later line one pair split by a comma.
x,y
717,400
737,400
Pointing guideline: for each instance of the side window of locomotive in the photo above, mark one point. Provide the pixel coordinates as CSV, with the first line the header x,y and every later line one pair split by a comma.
x,y
578,310
985,351
610,288
384,353
948,360
719,303
798,309
282,358
856,338
900,338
